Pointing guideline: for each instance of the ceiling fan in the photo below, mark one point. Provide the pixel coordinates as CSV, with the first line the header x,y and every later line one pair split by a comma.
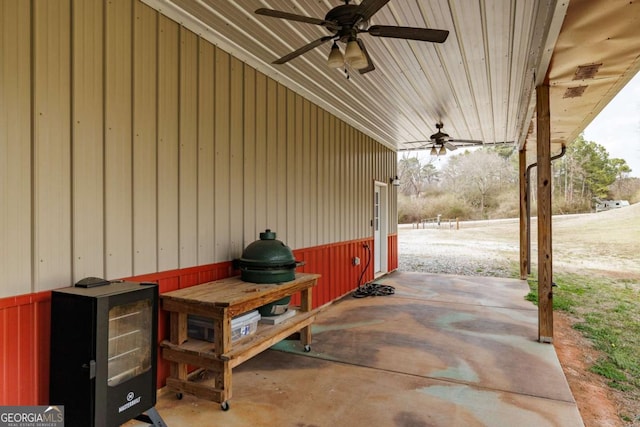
x,y
345,22
440,142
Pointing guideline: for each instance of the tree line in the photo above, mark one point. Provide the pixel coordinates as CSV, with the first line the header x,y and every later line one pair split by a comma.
x,y
483,183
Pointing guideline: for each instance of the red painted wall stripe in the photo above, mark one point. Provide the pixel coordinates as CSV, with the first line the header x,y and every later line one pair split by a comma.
x,y
25,319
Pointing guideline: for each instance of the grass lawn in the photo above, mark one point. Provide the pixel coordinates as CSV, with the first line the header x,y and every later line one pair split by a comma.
x,y
609,315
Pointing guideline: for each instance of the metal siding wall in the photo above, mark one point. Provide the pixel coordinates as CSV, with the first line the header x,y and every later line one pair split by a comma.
x,y
290,170
118,142
88,139
260,187
349,188
295,238
312,172
282,196
332,157
249,193
162,165
145,211
52,144
206,154
167,185
188,153
305,165
392,162
148,143
236,173
15,149
341,207
322,177
272,165
222,185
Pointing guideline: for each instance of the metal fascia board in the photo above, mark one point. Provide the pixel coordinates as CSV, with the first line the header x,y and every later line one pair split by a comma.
x,y
549,19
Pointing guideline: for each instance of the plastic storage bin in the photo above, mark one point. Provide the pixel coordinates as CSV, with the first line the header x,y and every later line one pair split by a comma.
x,y
201,328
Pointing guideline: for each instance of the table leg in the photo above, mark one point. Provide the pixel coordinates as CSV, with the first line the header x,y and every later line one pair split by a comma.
x,y
305,305
222,337
178,335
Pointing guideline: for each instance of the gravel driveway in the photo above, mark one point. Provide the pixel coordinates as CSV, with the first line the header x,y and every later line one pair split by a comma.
x,y
478,251
604,243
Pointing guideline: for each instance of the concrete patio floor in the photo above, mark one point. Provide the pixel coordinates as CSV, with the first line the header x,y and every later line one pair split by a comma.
x,y
444,350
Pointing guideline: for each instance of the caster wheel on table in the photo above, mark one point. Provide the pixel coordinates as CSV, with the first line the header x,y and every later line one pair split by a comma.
x,y
179,396
225,406
307,348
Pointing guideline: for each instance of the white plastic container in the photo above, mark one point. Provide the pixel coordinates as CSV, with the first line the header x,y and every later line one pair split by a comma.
x,y
201,328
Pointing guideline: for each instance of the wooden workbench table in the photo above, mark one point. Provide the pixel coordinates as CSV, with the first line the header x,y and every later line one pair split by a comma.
x,y
222,300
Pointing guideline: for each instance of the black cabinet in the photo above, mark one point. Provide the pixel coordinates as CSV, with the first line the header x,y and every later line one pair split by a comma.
x,y
103,352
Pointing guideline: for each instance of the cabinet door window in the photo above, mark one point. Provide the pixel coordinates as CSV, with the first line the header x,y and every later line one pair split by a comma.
x,y
129,341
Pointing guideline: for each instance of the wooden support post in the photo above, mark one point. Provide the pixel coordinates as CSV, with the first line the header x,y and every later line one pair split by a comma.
x,y
545,273
525,256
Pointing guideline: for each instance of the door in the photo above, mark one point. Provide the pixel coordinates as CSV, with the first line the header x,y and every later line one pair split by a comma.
x,y
380,229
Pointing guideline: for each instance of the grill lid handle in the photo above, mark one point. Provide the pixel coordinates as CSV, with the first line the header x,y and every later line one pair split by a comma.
x,y
268,235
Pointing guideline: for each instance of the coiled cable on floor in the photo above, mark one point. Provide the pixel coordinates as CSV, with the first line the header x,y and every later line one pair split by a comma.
x,y
371,289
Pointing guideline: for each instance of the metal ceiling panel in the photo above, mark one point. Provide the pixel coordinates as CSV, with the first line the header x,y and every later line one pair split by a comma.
x,y
467,82
480,82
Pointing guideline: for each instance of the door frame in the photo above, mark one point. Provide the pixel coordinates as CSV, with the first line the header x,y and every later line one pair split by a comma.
x,y
380,244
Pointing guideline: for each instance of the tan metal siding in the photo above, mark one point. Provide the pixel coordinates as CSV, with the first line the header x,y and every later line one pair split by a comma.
x,y
206,154
167,144
305,185
236,172
88,139
321,177
145,216
313,176
222,184
341,207
334,156
260,157
282,196
15,148
249,137
118,144
155,150
271,157
296,238
287,236
188,153
51,147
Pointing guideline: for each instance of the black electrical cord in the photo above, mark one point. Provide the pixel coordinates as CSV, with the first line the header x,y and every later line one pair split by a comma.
x,y
371,289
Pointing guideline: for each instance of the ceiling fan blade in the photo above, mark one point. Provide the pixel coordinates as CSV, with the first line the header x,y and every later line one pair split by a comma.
x,y
370,66
368,8
411,33
467,142
302,50
450,146
299,18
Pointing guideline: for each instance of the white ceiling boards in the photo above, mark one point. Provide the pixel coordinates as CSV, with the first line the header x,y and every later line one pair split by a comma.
x,y
479,82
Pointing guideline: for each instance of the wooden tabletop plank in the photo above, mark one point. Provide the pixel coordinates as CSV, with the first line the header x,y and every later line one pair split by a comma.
x,y
233,291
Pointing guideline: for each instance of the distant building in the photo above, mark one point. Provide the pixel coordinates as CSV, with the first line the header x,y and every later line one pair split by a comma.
x,y
605,205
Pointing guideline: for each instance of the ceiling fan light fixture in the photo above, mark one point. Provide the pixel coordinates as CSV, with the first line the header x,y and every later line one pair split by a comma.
x,y
442,151
433,151
360,63
354,56
335,59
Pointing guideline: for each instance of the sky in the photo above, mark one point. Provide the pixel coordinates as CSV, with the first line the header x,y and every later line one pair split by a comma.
x,y
617,127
